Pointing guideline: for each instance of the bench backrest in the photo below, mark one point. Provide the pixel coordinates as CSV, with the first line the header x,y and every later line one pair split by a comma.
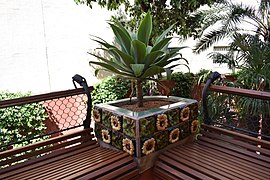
x,y
242,110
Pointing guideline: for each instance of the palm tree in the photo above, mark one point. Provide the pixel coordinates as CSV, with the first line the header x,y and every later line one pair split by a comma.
x,y
226,19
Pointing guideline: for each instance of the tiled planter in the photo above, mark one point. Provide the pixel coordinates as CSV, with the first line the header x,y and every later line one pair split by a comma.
x,y
142,134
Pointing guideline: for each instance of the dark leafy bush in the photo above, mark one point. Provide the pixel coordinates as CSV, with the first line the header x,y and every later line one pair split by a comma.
x,y
183,85
19,123
110,89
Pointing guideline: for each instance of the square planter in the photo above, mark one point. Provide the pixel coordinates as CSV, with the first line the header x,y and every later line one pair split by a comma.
x,y
145,134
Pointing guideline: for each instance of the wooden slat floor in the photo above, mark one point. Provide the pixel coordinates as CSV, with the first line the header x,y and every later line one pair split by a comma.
x,y
215,156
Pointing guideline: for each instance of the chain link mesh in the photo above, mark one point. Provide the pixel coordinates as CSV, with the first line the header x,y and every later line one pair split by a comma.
x,y
60,116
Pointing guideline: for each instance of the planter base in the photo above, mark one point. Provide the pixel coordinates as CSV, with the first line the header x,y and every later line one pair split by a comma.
x,y
146,134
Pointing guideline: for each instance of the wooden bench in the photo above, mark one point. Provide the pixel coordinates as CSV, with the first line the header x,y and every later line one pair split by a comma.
x,y
75,155
71,156
218,153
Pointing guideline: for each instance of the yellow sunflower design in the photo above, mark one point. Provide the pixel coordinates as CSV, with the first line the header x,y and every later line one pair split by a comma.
x,y
185,114
149,146
128,146
106,137
96,115
116,124
194,126
174,135
162,122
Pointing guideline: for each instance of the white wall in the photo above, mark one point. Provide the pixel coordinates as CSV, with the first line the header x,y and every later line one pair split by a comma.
x,y
43,43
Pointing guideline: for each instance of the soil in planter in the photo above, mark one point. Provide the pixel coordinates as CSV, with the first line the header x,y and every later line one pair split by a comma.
x,y
147,105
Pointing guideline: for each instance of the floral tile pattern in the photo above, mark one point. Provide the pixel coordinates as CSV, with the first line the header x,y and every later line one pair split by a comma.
x,y
129,127
147,126
153,132
173,117
106,119
117,139
162,139
184,129
148,146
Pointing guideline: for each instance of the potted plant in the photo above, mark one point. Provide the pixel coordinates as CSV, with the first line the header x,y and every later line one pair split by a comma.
x,y
134,57
144,131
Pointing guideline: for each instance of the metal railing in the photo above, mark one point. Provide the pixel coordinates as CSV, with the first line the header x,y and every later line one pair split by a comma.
x,y
223,106
64,111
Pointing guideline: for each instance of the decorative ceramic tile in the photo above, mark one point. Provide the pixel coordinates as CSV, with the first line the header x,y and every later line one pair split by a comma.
x,y
184,128
162,139
174,134
97,113
98,130
116,122
174,117
194,111
117,140
194,126
157,128
129,146
148,146
184,114
162,122
106,119
129,127
106,135
147,126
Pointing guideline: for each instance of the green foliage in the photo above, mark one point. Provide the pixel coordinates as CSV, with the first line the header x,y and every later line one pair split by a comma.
x,y
183,85
164,12
19,123
224,20
110,89
134,57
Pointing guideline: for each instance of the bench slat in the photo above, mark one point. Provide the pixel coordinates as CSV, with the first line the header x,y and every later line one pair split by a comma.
x,y
228,164
179,163
236,142
95,168
50,141
252,156
118,173
245,138
210,163
168,172
54,147
231,161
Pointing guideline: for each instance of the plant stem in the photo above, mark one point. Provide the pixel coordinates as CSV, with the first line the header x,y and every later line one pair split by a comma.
x,y
139,93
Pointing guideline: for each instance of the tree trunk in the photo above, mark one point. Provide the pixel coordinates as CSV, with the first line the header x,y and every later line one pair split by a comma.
x,y
139,93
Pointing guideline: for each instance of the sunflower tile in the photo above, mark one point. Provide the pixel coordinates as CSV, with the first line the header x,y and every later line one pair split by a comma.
x,y
148,146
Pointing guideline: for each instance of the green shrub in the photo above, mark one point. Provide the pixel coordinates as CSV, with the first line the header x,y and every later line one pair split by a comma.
x,y
183,85
18,123
110,89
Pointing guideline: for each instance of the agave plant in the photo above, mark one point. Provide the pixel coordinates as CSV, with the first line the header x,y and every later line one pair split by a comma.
x,y
135,57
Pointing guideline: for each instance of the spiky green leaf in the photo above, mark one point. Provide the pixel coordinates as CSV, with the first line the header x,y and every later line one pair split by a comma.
x,y
138,50
163,35
122,37
145,29
151,71
137,69
162,44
